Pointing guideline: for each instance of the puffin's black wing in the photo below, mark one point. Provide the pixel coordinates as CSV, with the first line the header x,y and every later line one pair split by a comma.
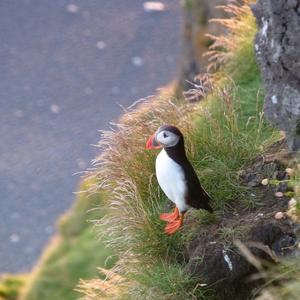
x,y
196,196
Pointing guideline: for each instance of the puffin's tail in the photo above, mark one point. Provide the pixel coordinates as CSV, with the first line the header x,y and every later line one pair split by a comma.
x,y
205,201
200,200
206,206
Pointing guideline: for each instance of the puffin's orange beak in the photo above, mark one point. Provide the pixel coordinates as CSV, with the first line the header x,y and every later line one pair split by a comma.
x,y
152,143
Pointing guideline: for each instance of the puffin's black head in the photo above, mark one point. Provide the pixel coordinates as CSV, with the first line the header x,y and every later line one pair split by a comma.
x,y
166,136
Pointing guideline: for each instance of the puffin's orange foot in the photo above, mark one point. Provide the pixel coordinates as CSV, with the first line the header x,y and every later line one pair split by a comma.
x,y
172,227
170,217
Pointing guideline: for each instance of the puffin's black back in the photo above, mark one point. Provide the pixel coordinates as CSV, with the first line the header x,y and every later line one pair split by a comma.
x,y
196,196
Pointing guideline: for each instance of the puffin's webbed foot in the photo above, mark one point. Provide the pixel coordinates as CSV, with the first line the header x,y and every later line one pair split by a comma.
x,y
170,217
173,226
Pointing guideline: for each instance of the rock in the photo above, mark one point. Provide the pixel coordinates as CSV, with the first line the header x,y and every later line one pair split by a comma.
x,y
279,194
227,270
241,173
285,245
281,175
279,215
277,47
269,169
253,179
282,187
274,175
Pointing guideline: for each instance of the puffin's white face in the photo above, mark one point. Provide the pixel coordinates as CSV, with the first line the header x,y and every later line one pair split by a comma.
x,y
167,138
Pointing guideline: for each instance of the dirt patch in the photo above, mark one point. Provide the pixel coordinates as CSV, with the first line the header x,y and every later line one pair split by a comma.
x,y
213,256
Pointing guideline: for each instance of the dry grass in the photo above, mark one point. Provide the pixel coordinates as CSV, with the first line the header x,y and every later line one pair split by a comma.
x,y
111,288
241,28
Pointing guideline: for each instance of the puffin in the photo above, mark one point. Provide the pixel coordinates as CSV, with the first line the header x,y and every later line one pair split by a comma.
x,y
176,176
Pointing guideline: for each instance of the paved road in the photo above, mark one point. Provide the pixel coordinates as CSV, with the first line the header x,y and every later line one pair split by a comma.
x,y
64,68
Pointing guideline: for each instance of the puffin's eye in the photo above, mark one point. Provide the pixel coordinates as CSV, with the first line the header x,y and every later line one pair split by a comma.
x,y
165,135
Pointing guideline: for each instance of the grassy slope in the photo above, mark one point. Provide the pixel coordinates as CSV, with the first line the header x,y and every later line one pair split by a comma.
x,y
74,254
222,135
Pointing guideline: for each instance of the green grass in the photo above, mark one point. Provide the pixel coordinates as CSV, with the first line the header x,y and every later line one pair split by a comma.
x,y
75,254
230,132
230,127
168,282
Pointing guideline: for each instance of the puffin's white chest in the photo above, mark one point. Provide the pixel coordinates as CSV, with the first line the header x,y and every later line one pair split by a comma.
x,y
171,179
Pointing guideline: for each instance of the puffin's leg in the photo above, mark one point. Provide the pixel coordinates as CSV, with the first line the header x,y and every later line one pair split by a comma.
x,y
172,227
170,217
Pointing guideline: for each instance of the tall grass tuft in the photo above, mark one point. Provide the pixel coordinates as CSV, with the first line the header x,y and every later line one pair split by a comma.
x,y
231,50
227,138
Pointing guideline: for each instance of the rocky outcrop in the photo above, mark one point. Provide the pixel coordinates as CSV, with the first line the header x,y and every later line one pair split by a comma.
x,y
277,49
228,271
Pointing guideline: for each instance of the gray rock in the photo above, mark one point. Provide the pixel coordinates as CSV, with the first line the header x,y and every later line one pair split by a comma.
x,y
282,187
277,47
227,271
254,180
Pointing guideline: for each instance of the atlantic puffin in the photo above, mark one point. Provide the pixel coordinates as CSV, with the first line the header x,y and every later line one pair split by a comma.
x,y
176,176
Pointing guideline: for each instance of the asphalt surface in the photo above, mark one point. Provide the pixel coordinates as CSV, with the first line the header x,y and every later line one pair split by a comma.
x,y
65,69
